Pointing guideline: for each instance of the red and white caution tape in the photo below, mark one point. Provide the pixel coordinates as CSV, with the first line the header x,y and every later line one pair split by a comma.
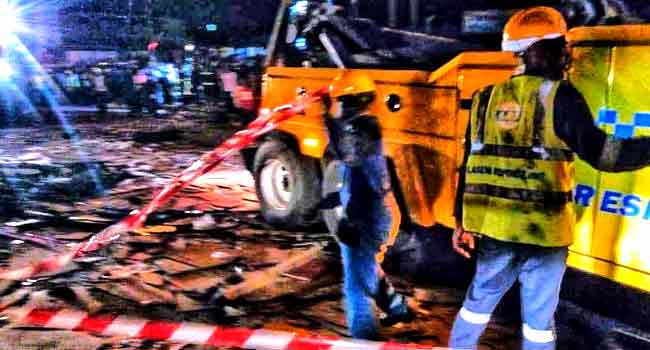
x,y
267,121
192,333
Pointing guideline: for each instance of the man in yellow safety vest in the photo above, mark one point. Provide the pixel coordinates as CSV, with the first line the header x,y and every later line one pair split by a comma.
x,y
515,190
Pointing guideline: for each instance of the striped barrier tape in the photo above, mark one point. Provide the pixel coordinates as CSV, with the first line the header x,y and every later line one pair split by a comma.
x,y
191,332
266,122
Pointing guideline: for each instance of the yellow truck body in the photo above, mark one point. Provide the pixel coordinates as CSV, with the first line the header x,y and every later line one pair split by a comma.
x,y
612,236
424,138
424,134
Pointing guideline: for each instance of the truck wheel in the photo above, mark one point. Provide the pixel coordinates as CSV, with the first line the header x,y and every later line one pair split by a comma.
x,y
332,183
287,185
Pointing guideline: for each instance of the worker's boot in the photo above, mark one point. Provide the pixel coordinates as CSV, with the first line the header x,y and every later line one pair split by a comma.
x,y
393,304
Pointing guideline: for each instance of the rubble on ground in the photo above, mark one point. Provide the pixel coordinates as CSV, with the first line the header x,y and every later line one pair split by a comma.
x,y
206,257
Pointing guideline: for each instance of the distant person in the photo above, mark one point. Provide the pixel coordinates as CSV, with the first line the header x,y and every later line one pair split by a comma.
x,y
99,88
72,85
244,99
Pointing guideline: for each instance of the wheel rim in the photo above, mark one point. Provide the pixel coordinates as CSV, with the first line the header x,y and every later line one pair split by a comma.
x,y
276,184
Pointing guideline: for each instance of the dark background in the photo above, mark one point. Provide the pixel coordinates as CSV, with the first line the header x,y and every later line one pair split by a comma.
x,y
131,24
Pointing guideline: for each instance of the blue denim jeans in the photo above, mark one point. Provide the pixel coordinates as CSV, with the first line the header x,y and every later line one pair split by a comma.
x,y
362,282
363,285
539,271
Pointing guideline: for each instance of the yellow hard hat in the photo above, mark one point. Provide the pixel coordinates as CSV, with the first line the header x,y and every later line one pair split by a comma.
x,y
351,83
529,26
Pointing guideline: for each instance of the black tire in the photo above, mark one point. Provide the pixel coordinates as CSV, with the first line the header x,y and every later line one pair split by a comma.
x,y
331,184
287,185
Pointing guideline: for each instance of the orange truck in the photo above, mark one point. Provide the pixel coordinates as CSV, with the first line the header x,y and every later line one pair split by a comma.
x,y
424,109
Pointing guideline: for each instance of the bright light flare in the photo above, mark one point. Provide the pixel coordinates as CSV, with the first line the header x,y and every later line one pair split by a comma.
x,y
22,17
5,70
8,18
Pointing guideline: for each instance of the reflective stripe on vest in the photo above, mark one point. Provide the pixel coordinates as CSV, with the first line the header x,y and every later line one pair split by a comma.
x,y
519,174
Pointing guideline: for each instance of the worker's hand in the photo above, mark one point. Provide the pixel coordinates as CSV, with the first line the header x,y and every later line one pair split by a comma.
x,y
463,242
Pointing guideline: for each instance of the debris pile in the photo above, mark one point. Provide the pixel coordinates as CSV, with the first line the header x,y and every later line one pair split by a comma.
x,y
205,257
202,258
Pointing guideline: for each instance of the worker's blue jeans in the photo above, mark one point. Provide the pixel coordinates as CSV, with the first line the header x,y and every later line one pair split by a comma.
x,y
362,281
539,271
362,286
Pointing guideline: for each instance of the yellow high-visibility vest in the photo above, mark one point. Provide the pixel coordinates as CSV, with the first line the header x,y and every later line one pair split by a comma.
x,y
519,174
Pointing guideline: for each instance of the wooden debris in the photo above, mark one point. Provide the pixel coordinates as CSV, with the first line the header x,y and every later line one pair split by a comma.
x,y
89,259
20,339
140,256
126,290
91,219
152,278
246,208
120,251
14,298
74,236
89,303
164,295
120,272
177,347
178,244
227,225
56,207
299,278
137,239
184,303
233,312
199,281
42,300
5,285
251,232
181,222
148,230
260,279
169,271
203,254
439,295
224,201
43,242
173,267
22,223
204,223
